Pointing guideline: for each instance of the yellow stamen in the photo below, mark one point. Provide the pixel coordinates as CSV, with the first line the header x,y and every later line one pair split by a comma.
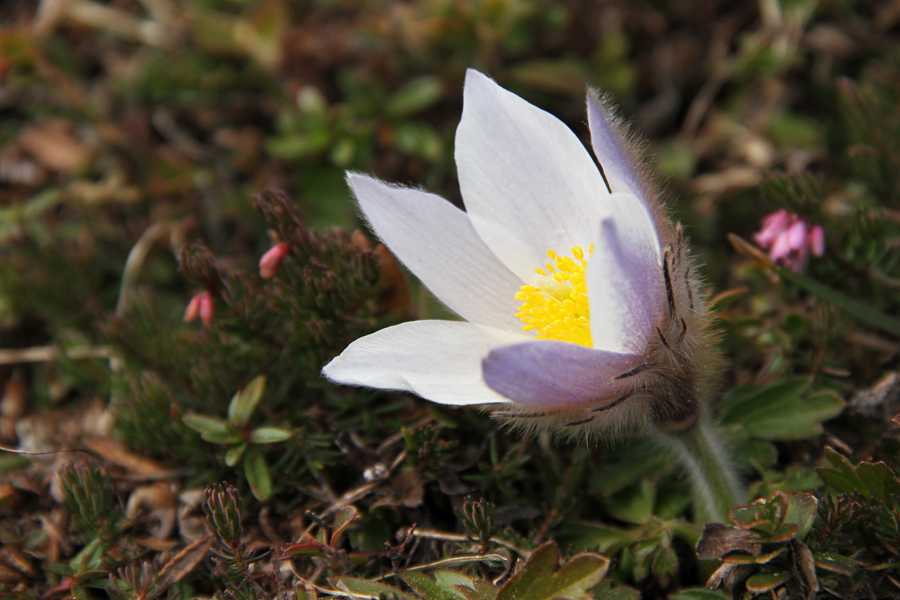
x,y
556,304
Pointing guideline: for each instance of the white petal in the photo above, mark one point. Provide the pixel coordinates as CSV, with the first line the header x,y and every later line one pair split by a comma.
x,y
436,241
528,183
626,290
438,360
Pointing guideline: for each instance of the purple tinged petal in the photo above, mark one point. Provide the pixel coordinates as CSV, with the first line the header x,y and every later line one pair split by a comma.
x,y
557,375
610,149
625,284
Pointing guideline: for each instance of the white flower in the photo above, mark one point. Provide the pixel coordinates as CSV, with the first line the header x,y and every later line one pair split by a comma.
x,y
576,292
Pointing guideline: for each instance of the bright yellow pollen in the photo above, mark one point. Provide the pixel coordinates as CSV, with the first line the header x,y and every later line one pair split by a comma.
x,y
556,304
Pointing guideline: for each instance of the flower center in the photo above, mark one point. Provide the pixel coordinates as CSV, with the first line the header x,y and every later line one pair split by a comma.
x,y
556,304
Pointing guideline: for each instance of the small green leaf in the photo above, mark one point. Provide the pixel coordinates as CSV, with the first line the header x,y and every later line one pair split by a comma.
x,y
605,591
836,563
842,476
245,401
539,567
257,474
354,585
537,581
748,401
432,589
269,435
416,95
342,520
879,478
234,454
454,578
802,511
210,429
763,582
634,504
793,418
601,537
480,590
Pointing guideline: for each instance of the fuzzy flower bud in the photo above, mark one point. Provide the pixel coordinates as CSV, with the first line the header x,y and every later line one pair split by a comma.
x,y
271,260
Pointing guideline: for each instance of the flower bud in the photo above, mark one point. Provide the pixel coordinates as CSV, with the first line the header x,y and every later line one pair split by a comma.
x,y
271,260
201,305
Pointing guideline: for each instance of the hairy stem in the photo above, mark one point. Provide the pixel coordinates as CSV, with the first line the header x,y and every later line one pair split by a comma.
x,y
715,486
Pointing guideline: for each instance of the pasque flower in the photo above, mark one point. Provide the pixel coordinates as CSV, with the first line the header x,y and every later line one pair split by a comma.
x,y
582,312
790,240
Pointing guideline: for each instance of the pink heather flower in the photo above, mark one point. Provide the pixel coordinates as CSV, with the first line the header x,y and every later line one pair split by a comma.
x,y
201,305
271,260
789,239
772,226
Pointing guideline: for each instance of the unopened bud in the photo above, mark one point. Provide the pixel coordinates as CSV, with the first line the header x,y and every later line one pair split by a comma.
x,y
201,305
271,260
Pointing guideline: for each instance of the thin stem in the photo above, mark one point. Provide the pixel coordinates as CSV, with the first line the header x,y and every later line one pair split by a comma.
x,y
715,487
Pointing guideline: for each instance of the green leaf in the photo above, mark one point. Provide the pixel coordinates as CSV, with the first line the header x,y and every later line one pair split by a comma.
x,y
539,567
342,520
602,537
781,413
269,435
432,589
605,591
749,403
879,478
245,401
418,139
638,459
842,476
537,580
257,474
416,95
634,504
234,454
210,429
836,563
802,511
873,480
354,585
454,578
763,582
480,590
